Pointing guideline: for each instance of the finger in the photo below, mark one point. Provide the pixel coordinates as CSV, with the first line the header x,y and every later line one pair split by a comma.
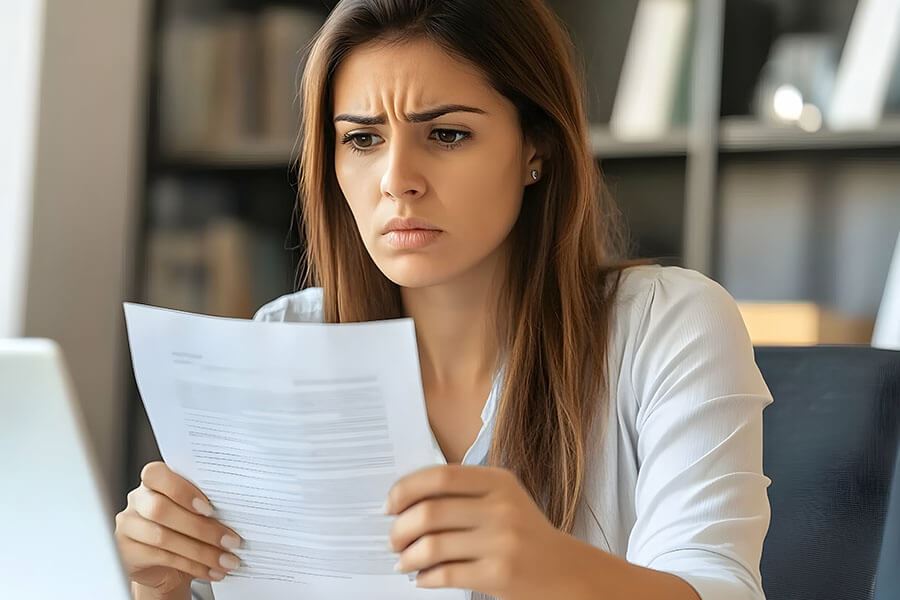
x,y
436,548
159,477
440,480
469,574
432,516
154,506
144,556
153,534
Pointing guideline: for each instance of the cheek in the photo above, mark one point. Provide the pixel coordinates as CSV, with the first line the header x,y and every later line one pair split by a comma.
x,y
487,203
352,184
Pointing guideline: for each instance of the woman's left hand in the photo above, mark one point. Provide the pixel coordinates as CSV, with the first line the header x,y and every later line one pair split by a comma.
x,y
475,527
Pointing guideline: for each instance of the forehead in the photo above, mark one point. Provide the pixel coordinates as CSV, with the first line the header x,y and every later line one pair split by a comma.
x,y
414,73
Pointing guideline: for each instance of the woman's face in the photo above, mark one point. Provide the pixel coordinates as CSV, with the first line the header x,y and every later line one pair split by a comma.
x,y
463,172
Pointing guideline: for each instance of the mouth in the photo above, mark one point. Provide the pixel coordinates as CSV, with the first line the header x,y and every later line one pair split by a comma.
x,y
411,239
408,224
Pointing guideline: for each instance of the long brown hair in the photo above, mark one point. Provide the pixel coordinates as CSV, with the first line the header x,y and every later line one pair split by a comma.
x,y
555,308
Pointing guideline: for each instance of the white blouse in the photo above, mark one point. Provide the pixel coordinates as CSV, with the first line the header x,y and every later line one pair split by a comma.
x,y
676,482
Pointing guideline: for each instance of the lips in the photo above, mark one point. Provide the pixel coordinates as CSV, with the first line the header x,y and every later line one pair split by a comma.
x,y
408,223
412,239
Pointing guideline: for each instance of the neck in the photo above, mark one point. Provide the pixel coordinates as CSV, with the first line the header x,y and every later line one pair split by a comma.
x,y
455,329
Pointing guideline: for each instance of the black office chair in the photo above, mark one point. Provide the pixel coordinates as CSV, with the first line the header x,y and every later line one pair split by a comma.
x,y
830,448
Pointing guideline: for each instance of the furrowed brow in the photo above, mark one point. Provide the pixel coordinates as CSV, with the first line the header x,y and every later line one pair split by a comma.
x,y
417,117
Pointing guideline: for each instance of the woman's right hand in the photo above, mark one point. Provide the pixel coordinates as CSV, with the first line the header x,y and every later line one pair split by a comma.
x,y
166,536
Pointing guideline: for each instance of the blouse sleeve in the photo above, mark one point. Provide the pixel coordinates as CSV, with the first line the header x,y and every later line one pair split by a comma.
x,y
701,504
304,306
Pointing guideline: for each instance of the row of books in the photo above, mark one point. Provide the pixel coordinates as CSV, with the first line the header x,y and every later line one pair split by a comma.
x,y
861,76
230,78
203,256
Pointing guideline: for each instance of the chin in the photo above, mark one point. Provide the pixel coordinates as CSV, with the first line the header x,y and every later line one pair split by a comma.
x,y
414,271
413,277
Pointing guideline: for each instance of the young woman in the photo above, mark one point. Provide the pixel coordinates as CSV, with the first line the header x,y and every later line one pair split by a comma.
x,y
601,422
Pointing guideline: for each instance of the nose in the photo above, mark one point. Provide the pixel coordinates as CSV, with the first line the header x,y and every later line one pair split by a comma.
x,y
403,178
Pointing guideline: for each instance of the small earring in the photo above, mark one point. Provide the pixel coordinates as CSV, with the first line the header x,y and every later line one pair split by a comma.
x,y
534,174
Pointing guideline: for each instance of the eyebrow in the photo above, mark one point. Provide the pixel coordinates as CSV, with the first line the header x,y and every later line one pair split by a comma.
x,y
419,117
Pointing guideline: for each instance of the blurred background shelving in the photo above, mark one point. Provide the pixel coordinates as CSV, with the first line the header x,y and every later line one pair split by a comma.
x,y
718,125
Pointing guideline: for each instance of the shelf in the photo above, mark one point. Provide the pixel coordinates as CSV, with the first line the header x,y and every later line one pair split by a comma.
x,y
607,146
250,154
741,134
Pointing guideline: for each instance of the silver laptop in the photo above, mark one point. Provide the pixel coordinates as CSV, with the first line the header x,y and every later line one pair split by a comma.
x,y
57,539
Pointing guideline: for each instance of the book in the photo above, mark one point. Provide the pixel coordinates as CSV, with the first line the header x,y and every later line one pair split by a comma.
x,y
681,105
176,270
648,84
227,244
202,270
866,66
188,56
235,111
749,29
284,34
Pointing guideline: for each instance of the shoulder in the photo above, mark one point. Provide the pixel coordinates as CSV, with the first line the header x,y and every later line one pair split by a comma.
x,y
300,307
681,328
675,298
659,285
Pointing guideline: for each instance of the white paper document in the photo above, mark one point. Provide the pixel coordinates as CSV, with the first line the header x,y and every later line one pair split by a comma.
x,y
295,432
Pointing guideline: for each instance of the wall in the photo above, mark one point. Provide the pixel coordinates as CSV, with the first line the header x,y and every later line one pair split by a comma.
x,y
86,181
20,59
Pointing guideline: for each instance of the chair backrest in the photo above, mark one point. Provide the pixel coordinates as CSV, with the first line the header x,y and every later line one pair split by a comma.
x,y
830,448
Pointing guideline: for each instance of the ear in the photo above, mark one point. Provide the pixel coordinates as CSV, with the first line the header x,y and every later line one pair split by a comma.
x,y
535,161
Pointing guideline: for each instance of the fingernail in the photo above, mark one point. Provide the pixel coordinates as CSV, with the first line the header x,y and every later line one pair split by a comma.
x,y
216,575
229,561
385,506
231,542
202,506
397,567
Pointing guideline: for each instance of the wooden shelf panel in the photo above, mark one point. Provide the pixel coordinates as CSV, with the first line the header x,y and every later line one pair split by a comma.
x,y
250,153
748,135
607,146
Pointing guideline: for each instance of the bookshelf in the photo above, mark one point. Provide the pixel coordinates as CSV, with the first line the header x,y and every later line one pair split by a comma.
x,y
804,221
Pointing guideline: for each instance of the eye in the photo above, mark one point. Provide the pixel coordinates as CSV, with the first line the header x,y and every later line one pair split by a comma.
x,y
452,142
365,138
448,139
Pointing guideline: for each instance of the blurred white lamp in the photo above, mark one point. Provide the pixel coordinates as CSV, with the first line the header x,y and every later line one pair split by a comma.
x,y
887,325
